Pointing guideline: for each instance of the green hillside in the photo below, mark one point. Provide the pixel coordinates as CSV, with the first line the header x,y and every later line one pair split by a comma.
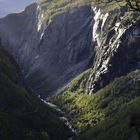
x,y
112,113
22,115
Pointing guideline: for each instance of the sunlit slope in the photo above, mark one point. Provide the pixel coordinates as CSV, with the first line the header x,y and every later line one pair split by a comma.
x,y
111,113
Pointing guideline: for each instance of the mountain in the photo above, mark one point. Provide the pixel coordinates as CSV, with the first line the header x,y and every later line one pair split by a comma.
x,y
89,54
22,115
52,55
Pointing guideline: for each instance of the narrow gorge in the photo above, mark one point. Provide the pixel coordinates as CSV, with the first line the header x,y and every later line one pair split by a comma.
x,y
84,57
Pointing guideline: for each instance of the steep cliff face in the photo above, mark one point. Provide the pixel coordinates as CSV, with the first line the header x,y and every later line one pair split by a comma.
x,y
65,46
117,38
50,53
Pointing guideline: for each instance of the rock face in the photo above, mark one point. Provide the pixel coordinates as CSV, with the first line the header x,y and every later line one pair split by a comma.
x,y
53,48
52,54
117,47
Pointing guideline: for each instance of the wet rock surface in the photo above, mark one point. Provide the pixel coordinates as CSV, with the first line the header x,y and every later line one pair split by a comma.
x,y
117,48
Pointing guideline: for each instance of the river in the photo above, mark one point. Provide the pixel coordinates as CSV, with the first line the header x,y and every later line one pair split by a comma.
x,y
62,116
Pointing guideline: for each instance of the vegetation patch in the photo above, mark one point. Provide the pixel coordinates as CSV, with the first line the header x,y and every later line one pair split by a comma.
x,y
104,112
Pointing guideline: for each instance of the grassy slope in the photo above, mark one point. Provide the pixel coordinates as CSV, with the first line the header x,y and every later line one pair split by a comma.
x,y
22,115
51,8
107,114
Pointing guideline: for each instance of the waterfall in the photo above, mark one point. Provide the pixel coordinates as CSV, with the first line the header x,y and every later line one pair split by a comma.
x,y
107,34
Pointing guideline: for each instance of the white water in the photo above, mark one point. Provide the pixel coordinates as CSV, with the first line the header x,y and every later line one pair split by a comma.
x,y
62,117
99,17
